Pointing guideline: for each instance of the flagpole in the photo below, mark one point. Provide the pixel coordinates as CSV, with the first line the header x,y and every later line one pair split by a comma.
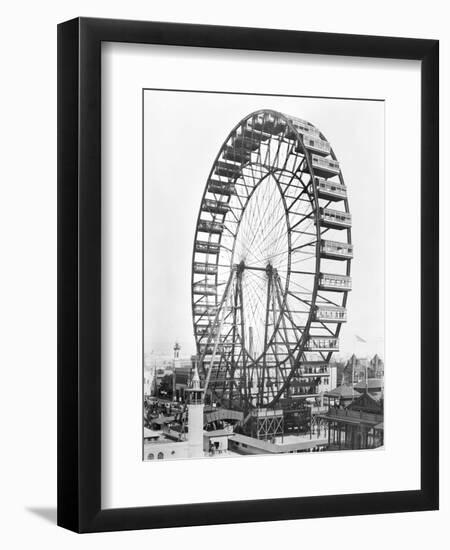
x,y
359,340
353,380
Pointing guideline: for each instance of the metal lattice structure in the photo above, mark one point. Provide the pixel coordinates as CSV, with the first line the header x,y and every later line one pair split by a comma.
x,y
271,261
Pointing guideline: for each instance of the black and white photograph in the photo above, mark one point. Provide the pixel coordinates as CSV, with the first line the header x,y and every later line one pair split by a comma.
x,y
224,284
263,274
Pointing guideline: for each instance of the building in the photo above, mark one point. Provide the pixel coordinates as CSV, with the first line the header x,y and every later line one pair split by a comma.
x,y
314,379
341,396
167,375
355,370
149,381
374,386
333,378
219,424
182,374
195,404
160,443
156,367
163,442
267,424
376,367
360,425
216,441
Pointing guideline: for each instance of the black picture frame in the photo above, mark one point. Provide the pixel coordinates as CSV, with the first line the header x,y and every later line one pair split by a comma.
x,y
79,274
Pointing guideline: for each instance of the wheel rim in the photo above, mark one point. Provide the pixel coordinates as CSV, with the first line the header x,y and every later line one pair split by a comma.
x,y
262,308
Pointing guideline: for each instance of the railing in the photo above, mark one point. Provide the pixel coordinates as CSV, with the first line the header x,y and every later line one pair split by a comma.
x,y
267,122
205,289
205,310
304,127
248,131
332,188
335,217
327,164
317,144
355,415
205,247
221,187
315,372
201,330
336,248
318,343
246,143
209,205
337,282
331,314
319,410
209,269
210,227
227,168
264,413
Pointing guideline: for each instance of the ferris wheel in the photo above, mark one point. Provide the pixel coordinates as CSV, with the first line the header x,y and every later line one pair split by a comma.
x,y
271,261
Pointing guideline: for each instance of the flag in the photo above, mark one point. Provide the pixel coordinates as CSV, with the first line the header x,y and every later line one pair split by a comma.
x,y
359,339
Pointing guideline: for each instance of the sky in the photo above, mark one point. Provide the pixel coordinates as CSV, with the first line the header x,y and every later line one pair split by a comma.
x,y
183,132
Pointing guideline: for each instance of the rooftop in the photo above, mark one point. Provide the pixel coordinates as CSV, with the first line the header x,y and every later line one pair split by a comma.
x,y
151,433
372,383
162,420
344,391
217,433
290,443
353,417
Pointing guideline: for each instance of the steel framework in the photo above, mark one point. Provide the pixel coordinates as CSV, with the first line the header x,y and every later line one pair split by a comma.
x,y
271,262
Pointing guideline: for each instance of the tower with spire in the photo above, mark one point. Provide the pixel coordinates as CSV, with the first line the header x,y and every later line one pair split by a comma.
x,y
176,351
195,404
176,365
